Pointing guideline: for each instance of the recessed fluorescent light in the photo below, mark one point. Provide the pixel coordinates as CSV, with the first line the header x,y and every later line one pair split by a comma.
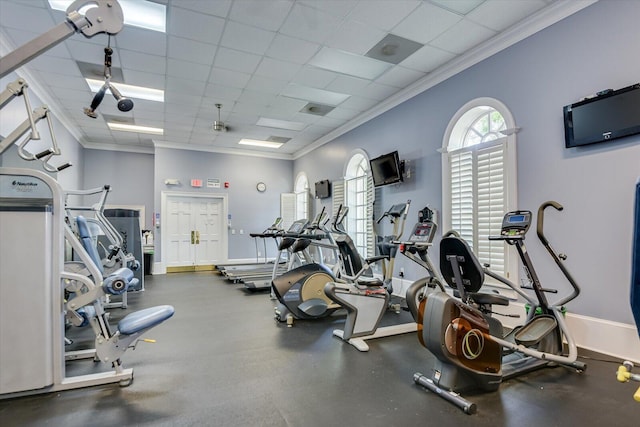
x,y
143,14
134,128
315,95
259,143
280,124
130,91
349,63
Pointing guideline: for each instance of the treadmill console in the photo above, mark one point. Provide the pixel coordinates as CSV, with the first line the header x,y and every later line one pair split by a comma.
x,y
423,232
515,224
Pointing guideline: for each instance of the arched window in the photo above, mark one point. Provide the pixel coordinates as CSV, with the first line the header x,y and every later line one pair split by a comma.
x,y
479,178
358,196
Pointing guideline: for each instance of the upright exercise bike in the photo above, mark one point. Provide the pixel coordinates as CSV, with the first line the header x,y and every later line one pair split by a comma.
x,y
468,343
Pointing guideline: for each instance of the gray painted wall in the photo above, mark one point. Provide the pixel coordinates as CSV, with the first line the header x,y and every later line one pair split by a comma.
x,y
592,50
129,174
250,210
14,113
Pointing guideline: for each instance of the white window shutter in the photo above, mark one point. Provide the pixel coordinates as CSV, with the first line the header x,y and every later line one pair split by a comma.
x,y
287,209
462,197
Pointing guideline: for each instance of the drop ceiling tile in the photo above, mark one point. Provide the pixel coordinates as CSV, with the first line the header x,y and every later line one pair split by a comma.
x,y
230,78
425,23
184,86
462,36
142,62
276,69
353,36
501,14
63,81
309,24
400,77
459,6
383,14
258,13
347,84
39,18
266,84
88,52
245,38
243,119
148,108
141,40
359,103
339,8
314,77
140,78
195,25
249,108
191,50
343,113
377,91
235,60
217,7
188,70
59,65
221,93
255,97
292,49
427,59
284,107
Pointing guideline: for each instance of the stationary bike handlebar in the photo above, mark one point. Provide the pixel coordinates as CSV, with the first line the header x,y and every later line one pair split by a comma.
x,y
558,258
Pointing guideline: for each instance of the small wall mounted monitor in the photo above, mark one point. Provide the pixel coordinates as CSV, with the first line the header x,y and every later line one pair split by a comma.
x,y
323,189
386,169
610,115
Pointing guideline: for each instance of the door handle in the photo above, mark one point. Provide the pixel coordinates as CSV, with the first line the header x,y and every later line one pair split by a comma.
x,y
197,237
193,237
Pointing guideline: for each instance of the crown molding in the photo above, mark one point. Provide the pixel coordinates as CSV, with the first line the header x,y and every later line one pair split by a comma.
x,y
141,149
221,150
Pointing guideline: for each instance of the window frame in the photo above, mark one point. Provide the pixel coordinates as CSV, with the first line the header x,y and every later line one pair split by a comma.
x,y
455,129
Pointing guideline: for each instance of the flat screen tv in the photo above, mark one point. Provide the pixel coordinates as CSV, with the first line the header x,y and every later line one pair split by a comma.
x,y
323,189
386,169
610,115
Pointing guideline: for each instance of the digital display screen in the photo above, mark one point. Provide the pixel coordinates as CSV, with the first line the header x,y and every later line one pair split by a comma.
x,y
423,230
516,218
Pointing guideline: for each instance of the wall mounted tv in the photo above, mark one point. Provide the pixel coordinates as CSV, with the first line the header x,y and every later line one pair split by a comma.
x,y
386,169
323,189
610,115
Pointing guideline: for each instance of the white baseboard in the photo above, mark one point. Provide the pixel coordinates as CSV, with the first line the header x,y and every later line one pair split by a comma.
x,y
159,268
619,340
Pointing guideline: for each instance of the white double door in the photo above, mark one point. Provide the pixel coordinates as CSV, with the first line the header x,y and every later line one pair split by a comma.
x,y
195,231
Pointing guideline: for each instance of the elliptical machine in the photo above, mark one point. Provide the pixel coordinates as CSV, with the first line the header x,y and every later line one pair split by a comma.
x,y
397,214
468,343
300,291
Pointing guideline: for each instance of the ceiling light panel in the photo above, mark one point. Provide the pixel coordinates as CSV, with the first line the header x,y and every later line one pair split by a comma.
x,y
260,143
316,95
133,128
130,91
280,124
142,14
349,63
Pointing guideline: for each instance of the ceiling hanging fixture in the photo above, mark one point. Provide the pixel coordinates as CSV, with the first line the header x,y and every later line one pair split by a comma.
x,y
219,125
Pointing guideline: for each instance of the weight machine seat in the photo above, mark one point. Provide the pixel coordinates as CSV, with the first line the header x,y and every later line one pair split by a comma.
x,y
144,319
470,268
117,282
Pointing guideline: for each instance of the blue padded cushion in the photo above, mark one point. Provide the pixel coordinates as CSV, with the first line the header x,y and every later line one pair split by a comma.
x,y
144,319
87,242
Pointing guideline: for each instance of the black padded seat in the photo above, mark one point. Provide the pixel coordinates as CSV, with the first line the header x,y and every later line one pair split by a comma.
x,y
490,299
470,268
370,281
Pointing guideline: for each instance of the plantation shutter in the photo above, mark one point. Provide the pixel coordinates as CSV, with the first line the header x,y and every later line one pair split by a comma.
x,y
370,233
478,199
337,195
491,205
287,209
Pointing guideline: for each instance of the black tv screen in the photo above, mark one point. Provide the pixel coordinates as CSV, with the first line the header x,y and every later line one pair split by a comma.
x,y
323,189
386,169
611,115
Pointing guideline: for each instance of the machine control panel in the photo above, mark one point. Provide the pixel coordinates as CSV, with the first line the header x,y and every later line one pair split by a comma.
x,y
423,232
515,224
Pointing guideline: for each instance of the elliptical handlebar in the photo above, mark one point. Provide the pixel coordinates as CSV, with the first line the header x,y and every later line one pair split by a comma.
x,y
557,258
